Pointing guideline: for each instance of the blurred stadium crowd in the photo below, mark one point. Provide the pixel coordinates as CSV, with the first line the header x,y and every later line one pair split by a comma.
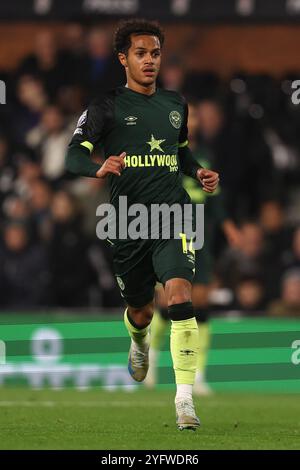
x,y
247,129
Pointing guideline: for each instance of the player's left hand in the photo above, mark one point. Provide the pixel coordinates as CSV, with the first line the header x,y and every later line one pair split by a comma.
x,y
209,179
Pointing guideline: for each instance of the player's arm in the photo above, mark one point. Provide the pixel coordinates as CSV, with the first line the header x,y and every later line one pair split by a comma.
x,y
87,135
189,165
78,161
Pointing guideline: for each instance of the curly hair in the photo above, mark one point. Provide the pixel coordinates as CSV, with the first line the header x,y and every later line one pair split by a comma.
x,y
122,36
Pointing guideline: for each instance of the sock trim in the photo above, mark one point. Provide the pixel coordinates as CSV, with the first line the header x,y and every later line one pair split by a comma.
x,y
178,312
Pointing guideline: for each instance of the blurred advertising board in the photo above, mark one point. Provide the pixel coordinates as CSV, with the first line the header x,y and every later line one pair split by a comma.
x,y
58,351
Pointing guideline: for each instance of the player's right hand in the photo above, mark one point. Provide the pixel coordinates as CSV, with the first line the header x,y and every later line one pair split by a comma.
x,y
112,165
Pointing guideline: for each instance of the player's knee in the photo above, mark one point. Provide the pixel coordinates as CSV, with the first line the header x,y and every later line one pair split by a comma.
x,y
141,316
178,291
147,312
182,311
178,298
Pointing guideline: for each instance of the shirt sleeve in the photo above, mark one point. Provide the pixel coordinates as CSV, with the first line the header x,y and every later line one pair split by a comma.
x,y
90,126
88,134
183,136
188,164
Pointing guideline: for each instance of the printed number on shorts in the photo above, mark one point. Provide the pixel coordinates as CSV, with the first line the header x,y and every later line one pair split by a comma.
x,y
185,245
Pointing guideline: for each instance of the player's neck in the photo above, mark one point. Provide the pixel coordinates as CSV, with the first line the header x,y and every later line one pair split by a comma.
x,y
145,90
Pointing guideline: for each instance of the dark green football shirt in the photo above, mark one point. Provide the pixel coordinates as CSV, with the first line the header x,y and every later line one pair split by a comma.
x,y
152,130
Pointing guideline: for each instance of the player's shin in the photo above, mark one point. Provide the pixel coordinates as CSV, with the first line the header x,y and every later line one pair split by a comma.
x,y
184,347
138,335
184,350
138,358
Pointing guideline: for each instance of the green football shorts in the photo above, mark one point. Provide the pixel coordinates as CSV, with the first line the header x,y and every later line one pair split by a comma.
x,y
139,264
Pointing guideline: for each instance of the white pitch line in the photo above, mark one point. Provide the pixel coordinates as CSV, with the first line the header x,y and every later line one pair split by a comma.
x,y
99,404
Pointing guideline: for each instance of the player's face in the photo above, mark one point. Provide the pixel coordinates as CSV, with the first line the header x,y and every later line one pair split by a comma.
x,y
142,62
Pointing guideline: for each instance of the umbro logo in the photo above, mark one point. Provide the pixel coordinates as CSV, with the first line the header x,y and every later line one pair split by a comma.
x,y
131,120
187,352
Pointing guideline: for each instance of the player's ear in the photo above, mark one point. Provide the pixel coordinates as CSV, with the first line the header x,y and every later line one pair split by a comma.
x,y
122,58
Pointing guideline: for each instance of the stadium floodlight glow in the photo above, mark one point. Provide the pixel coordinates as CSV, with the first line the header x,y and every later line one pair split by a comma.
x,y
245,7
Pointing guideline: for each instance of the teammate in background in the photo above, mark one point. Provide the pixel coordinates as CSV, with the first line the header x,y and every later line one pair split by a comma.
x,y
214,215
133,123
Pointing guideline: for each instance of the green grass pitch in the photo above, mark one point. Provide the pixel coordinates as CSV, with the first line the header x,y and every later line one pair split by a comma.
x,y
98,419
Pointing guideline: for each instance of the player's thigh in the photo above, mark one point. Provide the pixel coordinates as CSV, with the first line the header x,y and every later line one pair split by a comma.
x,y
172,259
135,274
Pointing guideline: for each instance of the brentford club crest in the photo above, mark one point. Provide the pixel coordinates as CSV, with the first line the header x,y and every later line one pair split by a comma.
x,y
175,119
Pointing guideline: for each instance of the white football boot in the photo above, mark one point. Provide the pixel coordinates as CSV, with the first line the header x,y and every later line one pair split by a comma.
x,y
138,360
185,415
